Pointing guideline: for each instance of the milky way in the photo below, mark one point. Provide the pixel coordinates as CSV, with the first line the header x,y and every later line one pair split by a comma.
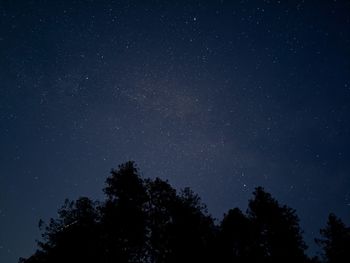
x,y
221,96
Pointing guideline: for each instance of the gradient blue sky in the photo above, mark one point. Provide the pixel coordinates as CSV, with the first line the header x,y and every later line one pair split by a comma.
x,y
221,96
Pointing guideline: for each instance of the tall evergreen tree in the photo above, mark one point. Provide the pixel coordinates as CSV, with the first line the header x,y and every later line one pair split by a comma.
x,y
162,203
192,229
335,241
278,231
123,216
236,239
180,228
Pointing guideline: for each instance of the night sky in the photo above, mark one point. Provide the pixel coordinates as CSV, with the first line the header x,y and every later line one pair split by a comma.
x,y
221,96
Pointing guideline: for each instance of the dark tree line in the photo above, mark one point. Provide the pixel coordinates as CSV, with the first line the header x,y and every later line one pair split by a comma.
x,y
144,220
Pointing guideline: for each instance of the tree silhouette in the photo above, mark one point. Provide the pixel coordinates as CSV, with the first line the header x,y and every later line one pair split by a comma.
x,y
147,220
191,229
236,238
73,237
162,200
336,241
278,231
180,229
123,216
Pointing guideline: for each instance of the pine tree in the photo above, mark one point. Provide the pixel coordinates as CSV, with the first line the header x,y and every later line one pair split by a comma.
x,y
336,241
277,229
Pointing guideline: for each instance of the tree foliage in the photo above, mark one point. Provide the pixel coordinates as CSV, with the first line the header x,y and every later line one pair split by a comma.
x,y
277,229
147,220
335,241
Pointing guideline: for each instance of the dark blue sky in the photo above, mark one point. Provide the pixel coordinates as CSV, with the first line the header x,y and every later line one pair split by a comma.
x,y
221,96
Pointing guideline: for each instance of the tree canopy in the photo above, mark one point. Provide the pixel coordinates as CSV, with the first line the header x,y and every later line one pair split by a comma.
x,y
335,241
147,220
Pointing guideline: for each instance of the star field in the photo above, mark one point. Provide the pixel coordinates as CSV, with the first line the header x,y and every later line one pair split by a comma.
x,y
221,96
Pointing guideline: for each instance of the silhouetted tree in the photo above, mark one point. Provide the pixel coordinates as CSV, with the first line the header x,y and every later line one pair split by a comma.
x,y
336,241
123,216
191,233
73,237
162,202
277,229
180,228
236,239
145,220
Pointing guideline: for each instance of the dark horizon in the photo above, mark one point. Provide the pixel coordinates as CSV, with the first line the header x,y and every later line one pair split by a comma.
x,y
221,96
